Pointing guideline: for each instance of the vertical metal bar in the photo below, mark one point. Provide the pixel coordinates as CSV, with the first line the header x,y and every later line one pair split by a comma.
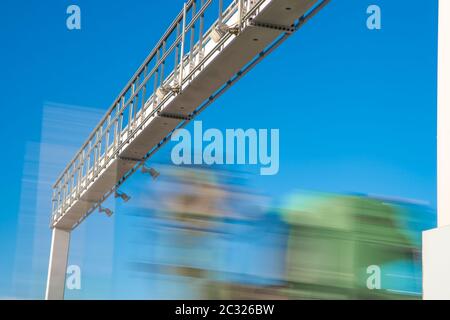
x,y
88,169
131,111
71,182
61,197
177,48
64,193
68,186
98,161
76,178
94,163
156,74
220,11
92,158
144,91
80,174
116,128
136,100
53,203
183,35
108,125
67,189
200,36
97,152
83,167
191,49
99,148
163,63
80,182
74,181
58,208
122,110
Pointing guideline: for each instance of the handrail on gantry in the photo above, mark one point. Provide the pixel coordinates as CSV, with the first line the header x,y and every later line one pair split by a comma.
x,y
171,69
160,44
128,85
79,167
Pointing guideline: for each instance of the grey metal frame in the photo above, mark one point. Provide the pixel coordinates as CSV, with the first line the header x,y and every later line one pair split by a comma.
x,y
119,125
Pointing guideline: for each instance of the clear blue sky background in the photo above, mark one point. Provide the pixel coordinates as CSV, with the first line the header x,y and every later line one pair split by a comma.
x,y
356,108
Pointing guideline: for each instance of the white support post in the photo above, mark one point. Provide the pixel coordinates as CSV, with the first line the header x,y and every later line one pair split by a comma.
x,y
436,242
443,119
59,252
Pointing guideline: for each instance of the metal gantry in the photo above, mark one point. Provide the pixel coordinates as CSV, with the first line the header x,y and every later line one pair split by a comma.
x,y
206,49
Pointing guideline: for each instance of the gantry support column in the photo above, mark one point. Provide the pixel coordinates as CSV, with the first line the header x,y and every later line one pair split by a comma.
x,y
436,242
59,252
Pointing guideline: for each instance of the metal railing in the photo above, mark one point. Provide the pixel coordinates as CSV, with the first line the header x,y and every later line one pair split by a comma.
x,y
178,55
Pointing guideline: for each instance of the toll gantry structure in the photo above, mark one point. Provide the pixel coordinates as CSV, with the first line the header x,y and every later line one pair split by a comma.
x,y
206,49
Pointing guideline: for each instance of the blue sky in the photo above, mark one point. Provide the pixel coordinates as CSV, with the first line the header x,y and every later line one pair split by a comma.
x,y
356,108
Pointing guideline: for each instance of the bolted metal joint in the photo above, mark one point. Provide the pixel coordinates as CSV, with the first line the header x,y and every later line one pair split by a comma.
x,y
221,30
163,91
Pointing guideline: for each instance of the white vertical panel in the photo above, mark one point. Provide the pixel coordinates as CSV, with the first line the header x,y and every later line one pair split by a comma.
x,y
436,242
56,280
436,263
444,114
